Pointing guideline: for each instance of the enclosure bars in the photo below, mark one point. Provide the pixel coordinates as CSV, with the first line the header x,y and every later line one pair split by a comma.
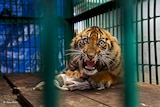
x,y
68,32
142,48
136,33
149,44
93,12
49,41
129,55
56,17
147,24
155,43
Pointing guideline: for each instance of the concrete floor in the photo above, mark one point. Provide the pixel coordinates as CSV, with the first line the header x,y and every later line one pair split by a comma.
x,y
149,95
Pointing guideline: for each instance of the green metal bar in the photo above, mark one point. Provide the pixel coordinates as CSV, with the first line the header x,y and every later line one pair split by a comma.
x,y
78,6
117,17
109,21
49,42
87,23
156,65
155,45
6,45
149,45
103,20
143,76
18,19
41,50
145,19
137,40
93,12
129,55
36,47
97,3
92,21
95,20
106,19
113,22
69,33
29,36
121,29
88,4
150,41
23,46
11,26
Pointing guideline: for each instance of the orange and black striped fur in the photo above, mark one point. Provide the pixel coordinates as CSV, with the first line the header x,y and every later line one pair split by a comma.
x,y
95,54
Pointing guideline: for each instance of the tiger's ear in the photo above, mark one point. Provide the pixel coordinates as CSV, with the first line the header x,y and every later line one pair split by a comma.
x,y
73,43
114,39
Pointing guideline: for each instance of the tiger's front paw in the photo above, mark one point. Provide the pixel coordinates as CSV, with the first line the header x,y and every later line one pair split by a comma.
x,y
99,82
73,74
76,74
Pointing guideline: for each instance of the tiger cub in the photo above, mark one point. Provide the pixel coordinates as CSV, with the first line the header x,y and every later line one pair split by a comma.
x,y
95,54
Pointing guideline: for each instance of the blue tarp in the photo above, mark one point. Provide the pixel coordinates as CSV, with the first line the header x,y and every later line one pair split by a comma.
x,y
19,47
20,42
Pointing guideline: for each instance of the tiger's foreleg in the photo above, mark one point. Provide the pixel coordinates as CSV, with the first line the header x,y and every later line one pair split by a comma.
x,y
103,79
76,74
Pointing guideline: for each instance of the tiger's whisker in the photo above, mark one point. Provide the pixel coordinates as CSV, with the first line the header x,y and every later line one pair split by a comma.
x,y
72,54
77,57
72,50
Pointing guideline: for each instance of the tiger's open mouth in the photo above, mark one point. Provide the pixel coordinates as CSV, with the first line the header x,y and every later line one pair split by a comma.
x,y
89,67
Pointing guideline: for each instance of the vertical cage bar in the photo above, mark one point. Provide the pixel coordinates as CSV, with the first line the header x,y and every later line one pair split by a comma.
x,y
136,19
142,42
87,23
129,55
103,20
29,45
69,32
6,49
96,20
50,51
155,42
109,20
149,44
23,47
34,60
106,20
113,22
40,60
117,24
121,29
11,61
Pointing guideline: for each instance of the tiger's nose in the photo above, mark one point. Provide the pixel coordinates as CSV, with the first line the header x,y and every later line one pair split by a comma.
x,y
90,56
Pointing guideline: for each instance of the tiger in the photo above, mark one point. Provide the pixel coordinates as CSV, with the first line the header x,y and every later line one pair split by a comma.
x,y
96,55
95,62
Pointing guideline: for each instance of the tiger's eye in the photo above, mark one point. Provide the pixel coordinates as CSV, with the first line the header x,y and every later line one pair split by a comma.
x,y
84,41
101,44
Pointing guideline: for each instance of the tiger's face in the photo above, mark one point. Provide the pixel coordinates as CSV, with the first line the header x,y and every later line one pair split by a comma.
x,y
92,50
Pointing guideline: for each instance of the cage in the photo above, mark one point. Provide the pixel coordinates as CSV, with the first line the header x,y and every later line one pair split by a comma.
x,y
29,52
